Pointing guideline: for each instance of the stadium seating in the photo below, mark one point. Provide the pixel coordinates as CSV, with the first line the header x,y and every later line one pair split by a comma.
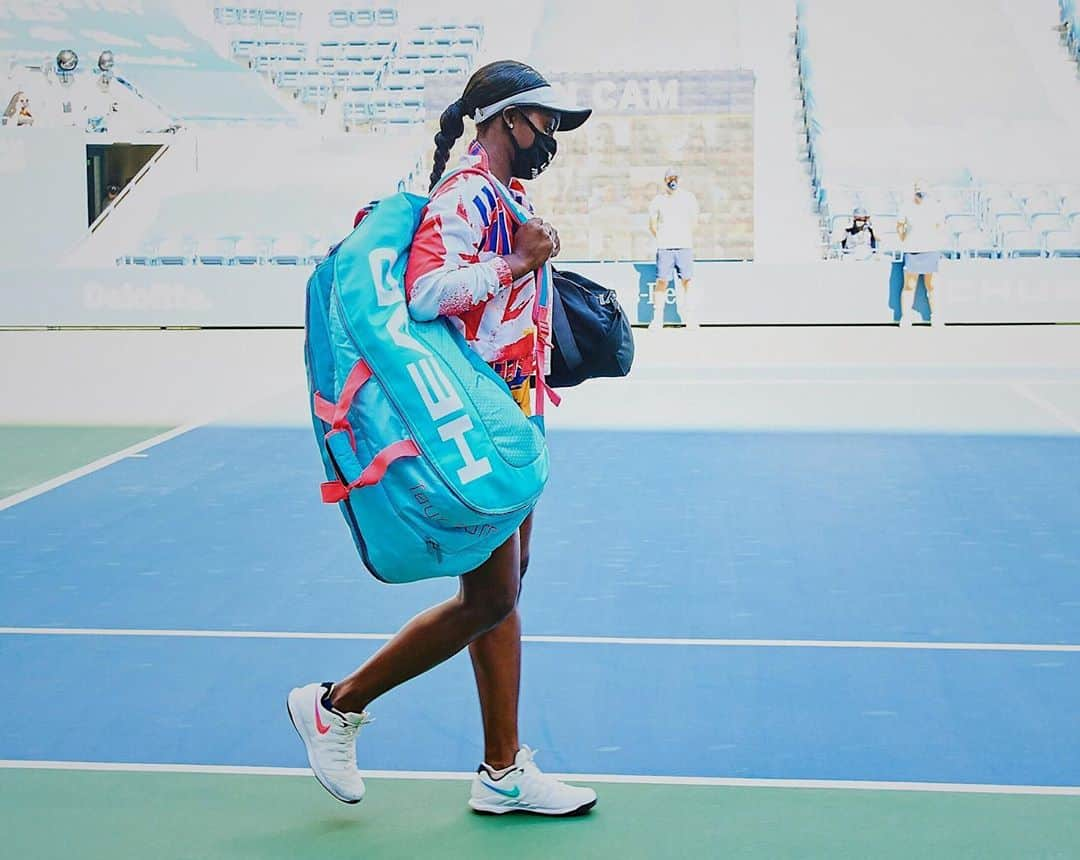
x,y
241,250
900,120
158,57
377,68
240,209
246,16
368,17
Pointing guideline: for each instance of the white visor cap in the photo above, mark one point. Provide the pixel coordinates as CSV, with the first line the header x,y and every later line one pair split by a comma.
x,y
570,116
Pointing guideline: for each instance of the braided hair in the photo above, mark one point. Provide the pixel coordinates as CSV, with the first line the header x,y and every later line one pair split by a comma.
x,y
488,84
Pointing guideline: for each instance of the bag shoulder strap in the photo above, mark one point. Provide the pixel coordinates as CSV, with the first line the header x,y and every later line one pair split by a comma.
x,y
544,288
564,334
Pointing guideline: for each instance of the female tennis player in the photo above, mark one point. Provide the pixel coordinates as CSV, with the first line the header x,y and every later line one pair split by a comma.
x,y
470,263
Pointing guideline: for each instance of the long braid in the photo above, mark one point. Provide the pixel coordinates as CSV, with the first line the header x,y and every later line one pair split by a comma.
x,y
451,127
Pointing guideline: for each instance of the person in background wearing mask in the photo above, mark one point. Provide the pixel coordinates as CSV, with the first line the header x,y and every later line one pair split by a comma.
x,y
858,241
474,265
921,228
673,214
18,110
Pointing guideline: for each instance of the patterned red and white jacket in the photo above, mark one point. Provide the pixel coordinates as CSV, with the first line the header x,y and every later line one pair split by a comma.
x,y
456,270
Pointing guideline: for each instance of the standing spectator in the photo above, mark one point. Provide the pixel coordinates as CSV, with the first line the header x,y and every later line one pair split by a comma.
x,y
18,110
673,214
858,241
921,228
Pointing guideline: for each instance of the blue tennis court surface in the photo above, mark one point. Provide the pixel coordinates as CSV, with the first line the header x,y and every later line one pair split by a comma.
x,y
911,538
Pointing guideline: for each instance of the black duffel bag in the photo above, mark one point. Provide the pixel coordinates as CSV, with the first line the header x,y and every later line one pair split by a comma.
x,y
591,332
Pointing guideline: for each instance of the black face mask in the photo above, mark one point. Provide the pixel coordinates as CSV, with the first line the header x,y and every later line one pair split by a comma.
x,y
673,184
530,161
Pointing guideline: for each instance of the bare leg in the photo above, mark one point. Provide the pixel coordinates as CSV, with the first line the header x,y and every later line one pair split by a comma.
x,y
487,596
929,281
496,660
907,298
686,312
659,303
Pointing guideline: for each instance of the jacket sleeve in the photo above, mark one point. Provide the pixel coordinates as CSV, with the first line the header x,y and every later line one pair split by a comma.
x,y
445,274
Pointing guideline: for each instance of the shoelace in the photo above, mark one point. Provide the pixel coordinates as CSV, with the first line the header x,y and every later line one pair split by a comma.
x,y
543,785
344,738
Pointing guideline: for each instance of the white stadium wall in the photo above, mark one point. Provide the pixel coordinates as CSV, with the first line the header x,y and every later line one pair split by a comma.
x,y
979,291
42,192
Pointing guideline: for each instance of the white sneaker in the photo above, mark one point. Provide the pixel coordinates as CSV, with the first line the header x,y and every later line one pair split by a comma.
x,y
525,788
330,738
905,321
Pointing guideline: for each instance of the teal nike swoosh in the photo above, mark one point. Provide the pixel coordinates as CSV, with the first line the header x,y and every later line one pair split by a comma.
x,y
512,793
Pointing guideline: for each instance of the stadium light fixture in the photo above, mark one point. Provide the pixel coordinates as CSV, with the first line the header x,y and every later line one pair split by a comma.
x,y
66,63
105,63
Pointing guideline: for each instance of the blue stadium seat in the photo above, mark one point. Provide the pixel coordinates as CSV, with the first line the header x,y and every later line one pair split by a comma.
x,y
1049,222
227,16
1010,222
319,249
1022,243
1064,244
174,251
214,252
144,256
249,251
977,243
289,250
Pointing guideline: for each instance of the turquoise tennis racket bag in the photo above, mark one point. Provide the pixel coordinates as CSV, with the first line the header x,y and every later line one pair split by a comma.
x,y
429,458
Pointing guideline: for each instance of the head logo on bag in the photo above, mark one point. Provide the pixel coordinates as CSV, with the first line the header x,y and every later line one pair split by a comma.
x,y
433,386
430,459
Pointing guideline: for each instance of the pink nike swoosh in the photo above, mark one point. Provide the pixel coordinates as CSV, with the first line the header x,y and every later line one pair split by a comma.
x,y
320,726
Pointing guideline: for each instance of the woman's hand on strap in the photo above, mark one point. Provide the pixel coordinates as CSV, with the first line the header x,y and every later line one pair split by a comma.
x,y
535,242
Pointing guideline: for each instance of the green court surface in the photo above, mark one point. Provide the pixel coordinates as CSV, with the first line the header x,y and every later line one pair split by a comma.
x,y
30,455
65,814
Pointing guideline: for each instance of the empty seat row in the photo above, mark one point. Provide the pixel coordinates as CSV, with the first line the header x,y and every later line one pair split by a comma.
x,y
340,79
250,16
421,43
403,111
369,17
373,49
292,250
451,28
249,48
979,242
430,66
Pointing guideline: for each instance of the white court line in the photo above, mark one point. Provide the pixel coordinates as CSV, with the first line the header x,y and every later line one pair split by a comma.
x,y
556,640
1044,404
97,465
625,779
